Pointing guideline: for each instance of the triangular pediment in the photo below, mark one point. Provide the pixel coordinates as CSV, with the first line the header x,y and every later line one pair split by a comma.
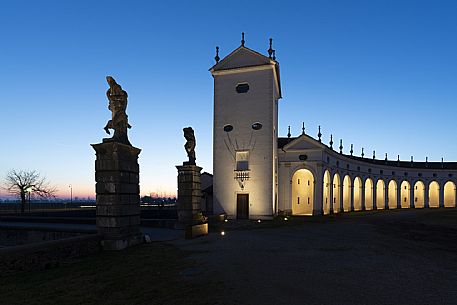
x,y
303,142
241,58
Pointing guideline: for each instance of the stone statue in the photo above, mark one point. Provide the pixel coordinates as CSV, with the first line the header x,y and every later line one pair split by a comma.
x,y
190,145
117,104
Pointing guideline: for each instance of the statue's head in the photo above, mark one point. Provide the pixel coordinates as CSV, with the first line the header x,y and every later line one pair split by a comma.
x,y
110,80
188,132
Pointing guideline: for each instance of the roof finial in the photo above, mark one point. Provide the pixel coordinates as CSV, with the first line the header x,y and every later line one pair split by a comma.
x,y
363,154
386,157
374,154
270,50
288,132
331,141
412,159
319,134
341,146
303,128
217,58
274,54
398,158
242,39
352,149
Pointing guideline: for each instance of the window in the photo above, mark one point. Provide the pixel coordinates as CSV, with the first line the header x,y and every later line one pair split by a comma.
x,y
242,88
242,160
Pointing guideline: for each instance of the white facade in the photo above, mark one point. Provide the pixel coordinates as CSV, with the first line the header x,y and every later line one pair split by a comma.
x,y
246,93
258,175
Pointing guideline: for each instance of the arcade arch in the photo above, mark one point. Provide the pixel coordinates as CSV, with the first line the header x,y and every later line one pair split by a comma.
x,y
326,193
358,194
336,193
419,194
405,194
302,192
434,194
449,194
369,194
380,194
347,193
392,194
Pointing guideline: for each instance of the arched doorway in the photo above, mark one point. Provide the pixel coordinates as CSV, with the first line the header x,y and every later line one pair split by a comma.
x,y
449,194
405,194
419,194
368,194
357,194
434,194
347,193
336,193
380,194
302,192
326,193
392,193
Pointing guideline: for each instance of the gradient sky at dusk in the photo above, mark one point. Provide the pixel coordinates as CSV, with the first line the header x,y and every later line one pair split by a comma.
x,y
379,74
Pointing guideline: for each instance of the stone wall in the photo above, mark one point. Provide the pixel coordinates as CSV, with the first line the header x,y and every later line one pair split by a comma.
x,y
47,254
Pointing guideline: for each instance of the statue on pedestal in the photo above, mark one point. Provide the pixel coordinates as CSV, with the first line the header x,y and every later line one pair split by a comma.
x,y
119,121
190,145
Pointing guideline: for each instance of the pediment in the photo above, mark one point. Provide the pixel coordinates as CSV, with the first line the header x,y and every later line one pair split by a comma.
x,y
240,58
303,142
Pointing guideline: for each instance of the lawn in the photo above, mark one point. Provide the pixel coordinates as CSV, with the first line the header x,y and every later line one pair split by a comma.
x,y
147,274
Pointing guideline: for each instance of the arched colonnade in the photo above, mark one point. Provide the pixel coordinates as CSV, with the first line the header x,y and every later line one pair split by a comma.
x,y
346,193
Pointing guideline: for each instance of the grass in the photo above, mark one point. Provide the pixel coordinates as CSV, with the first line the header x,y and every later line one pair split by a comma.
x,y
146,274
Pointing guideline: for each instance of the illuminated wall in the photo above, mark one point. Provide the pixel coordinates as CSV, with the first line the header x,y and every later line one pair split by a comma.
x,y
358,194
302,192
392,193
419,194
336,193
369,194
347,193
449,194
405,194
433,194
380,195
327,201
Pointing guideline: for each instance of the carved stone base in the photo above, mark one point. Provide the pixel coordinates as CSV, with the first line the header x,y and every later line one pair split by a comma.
x,y
189,195
118,195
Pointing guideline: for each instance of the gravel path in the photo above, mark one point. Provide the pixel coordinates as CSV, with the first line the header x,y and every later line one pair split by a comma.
x,y
395,257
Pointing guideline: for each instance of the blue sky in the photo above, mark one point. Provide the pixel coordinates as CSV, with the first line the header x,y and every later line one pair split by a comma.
x,y
379,74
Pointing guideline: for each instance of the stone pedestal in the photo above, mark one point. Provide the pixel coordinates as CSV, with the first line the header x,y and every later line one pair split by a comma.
x,y
118,195
189,194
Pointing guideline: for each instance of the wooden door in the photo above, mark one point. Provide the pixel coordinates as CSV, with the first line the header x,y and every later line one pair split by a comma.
x,y
242,206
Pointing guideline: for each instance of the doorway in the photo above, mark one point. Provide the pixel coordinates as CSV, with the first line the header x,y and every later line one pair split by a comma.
x,y
242,206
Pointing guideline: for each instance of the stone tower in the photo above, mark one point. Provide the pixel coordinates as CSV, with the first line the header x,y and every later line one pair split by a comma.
x,y
246,92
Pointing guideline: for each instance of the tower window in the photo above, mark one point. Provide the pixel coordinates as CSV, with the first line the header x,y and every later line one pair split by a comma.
x,y
242,160
242,88
228,128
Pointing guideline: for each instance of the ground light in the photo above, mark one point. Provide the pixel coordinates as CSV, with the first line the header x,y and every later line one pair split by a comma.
x,y
226,220
258,220
222,233
285,218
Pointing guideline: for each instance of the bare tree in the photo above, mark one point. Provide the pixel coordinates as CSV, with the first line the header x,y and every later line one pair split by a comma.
x,y
23,182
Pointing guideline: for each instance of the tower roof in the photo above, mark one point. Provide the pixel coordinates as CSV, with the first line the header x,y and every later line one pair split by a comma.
x,y
243,57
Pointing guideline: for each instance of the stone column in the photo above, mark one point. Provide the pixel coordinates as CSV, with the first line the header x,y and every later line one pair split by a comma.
x,y
399,197
411,197
330,199
426,195
441,196
386,196
351,198
341,190
375,196
362,198
118,195
189,194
